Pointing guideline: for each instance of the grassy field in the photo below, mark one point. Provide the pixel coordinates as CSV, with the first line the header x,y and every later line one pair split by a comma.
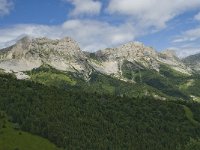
x,y
12,139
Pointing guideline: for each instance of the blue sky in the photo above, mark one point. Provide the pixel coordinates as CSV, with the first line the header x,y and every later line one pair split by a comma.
x,y
97,24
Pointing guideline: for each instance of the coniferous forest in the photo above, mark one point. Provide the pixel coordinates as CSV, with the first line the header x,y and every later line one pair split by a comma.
x,y
75,119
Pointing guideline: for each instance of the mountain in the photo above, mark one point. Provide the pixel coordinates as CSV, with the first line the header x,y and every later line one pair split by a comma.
x,y
111,60
65,55
193,62
117,98
131,69
29,53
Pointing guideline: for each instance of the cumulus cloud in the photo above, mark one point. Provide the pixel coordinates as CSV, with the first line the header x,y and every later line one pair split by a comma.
x,y
91,35
137,17
95,34
5,7
152,12
85,7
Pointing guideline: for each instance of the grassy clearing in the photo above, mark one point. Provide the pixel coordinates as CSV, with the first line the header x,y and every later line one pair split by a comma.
x,y
12,139
186,85
189,116
49,78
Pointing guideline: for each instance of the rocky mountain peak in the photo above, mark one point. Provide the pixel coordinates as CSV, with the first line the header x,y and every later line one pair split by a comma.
x,y
29,53
25,39
65,43
169,53
170,58
112,59
132,50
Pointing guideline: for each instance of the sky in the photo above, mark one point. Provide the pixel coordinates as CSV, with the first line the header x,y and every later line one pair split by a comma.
x,y
99,24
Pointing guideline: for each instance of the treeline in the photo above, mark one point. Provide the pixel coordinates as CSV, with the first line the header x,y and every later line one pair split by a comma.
x,y
74,119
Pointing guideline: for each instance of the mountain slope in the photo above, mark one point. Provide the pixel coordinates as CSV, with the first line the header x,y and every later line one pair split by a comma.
x,y
63,64
193,62
76,119
111,61
168,57
101,83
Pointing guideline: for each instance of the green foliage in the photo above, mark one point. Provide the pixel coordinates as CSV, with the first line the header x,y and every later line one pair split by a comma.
x,y
75,119
49,76
193,145
102,84
148,81
166,81
172,75
161,83
189,115
99,83
194,88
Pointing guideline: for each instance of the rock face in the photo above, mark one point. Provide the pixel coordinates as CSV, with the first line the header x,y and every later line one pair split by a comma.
x,y
193,62
29,53
110,61
169,57
65,55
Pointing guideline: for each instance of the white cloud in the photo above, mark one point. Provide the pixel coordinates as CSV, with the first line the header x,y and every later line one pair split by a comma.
x,y
96,34
197,17
85,7
136,19
91,35
186,51
5,7
188,42
188,36
152,12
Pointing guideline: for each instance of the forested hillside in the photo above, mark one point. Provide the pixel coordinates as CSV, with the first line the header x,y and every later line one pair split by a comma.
x,y
75,119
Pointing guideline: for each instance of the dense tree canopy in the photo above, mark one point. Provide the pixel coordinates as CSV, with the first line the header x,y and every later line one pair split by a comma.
x,y
75,119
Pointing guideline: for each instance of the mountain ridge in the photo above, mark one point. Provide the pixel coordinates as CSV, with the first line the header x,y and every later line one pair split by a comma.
x,y
66,55
193,62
